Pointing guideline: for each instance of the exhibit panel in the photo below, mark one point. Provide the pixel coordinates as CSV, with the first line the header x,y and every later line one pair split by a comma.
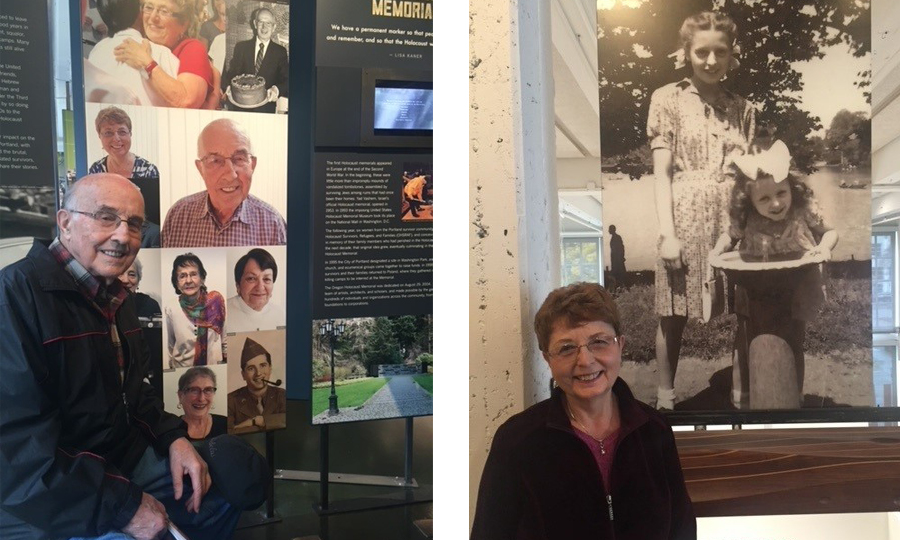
x,y
171,102
373,193
27,157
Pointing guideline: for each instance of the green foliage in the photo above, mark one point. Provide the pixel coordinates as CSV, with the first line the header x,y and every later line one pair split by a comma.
x,y
634,44
426,382
404,328
425,358
349,395
367,342
383,345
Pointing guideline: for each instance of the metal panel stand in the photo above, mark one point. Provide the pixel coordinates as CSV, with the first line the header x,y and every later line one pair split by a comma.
x,y
264,517
411,492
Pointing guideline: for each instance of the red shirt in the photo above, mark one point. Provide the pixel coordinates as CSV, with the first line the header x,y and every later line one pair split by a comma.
x,y
192,55
604,461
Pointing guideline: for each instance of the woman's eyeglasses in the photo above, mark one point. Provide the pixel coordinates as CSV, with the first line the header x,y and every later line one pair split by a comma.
x,y
598,346
164,13
122,133
195,391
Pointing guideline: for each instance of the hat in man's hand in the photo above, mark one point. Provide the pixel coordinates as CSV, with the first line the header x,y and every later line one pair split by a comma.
x,y
237,470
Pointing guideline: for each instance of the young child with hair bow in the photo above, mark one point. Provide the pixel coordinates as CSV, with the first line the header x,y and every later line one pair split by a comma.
x,y
774,218
773,213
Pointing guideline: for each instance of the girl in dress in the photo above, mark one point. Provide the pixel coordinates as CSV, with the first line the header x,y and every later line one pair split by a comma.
x,y
774,217
773,212
696,127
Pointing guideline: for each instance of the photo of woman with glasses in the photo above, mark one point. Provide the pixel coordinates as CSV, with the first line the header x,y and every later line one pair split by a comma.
x,y
174,24
116,136
196,393
194,326
114,128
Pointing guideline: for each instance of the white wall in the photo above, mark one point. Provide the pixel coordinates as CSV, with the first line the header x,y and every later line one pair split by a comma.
x,y
514,231
874,526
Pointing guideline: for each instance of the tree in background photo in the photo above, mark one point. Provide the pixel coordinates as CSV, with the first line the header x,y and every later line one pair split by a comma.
x,y
383,368
635,41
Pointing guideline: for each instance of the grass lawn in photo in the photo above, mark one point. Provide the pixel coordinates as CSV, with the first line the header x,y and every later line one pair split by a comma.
x,y
426,382
349,395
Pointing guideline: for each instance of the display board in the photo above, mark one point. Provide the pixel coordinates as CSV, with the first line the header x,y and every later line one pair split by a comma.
x,y
373,193
27,146
380,33
196,116
755,236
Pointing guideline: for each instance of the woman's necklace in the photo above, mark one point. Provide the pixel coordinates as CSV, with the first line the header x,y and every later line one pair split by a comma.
x,y
122,167
584,429
205,425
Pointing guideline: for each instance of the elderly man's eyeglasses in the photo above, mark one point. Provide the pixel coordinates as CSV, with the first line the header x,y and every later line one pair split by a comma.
x,y
110,221
598,346
122,133
265,24
240,160
195,391
164,13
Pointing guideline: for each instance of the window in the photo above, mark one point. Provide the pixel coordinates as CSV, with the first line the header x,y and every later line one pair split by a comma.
x,y
580,259
884,375
884,270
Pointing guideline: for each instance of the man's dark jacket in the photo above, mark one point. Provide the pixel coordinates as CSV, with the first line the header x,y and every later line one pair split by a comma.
x,y
542,482
71,432
274,68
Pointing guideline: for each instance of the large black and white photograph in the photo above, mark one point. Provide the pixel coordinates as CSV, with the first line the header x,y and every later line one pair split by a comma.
x,y
735,141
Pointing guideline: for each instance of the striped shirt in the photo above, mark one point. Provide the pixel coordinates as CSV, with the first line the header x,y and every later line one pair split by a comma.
x,y
142,168
106,298
192,223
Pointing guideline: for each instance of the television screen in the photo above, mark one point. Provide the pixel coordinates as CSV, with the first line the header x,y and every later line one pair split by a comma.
x,y
403,108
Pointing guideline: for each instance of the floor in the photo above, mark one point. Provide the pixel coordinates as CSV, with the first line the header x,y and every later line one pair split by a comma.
x,y
298,449
294,505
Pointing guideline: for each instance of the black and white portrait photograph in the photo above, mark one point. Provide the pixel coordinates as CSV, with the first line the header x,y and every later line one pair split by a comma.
x,y
257,397
735,142
255,62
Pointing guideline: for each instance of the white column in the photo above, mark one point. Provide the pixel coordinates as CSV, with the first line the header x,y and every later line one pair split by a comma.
x,y
514,231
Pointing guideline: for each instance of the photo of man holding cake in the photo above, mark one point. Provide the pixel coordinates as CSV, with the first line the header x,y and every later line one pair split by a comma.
x,y
256,76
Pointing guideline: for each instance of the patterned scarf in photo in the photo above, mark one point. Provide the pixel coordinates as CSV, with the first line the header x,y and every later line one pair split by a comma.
x,y
206,311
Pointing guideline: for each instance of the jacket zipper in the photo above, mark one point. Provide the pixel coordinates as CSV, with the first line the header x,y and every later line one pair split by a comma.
x,y
128,415
609,506
123,377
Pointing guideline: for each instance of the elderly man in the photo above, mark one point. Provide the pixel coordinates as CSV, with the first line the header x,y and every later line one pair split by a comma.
x,y
225,214
250,309
263,57
87,448
257,406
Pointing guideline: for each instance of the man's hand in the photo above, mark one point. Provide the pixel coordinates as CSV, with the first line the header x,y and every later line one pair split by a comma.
x,y
149,521
184,460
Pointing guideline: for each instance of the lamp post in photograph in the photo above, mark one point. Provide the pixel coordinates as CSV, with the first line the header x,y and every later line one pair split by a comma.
x,y
332,330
